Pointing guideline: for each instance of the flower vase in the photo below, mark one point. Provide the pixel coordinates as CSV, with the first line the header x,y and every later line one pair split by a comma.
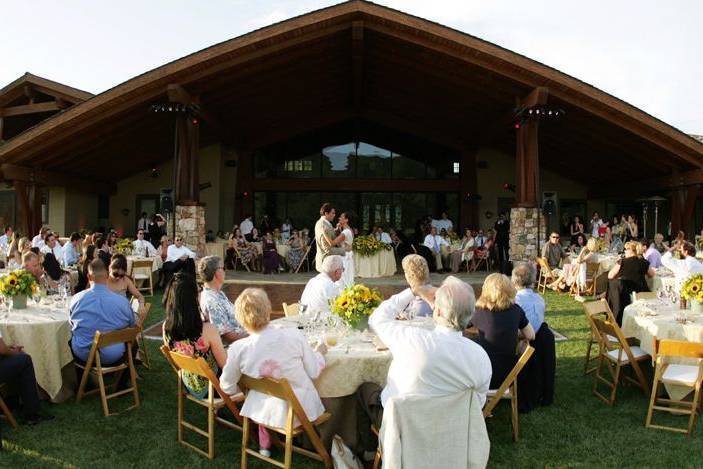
x,y
696,306
19,302
363,324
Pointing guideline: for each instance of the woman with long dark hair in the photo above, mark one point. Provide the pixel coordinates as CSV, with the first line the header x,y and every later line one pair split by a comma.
x,y
86,259
184,331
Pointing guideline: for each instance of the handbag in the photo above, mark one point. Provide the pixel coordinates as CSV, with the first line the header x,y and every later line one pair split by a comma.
x,y
342,456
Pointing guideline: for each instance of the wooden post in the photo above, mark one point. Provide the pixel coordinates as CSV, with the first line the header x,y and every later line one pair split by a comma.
x,y
187,190
29,205
527,165
468,205
244,205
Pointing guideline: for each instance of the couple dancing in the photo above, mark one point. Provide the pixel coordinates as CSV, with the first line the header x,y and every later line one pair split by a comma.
x,y
335,241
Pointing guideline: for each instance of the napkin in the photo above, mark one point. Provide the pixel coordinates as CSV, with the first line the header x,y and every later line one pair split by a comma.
x,y
380,346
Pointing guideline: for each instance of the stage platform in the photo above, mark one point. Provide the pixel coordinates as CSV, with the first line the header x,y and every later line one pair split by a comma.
x,y
285,287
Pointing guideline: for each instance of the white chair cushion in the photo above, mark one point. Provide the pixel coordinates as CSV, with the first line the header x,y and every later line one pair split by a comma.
x,y
140,276
684,374
636,353
492,393
611,338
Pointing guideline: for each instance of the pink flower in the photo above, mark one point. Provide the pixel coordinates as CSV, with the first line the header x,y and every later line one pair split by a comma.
x,y
201,345
184,348
270,369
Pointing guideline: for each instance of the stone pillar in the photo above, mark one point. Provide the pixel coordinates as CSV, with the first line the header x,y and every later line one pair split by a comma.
x,y
527,231
190,226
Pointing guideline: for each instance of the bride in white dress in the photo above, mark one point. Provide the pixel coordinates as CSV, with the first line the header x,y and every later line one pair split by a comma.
x,y
348,274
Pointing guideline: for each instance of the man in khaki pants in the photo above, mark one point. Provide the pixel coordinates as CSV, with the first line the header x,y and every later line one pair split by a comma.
x,y
326,237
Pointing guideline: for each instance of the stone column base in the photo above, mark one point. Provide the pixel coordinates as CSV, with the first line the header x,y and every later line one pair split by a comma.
x,y
527,232
190,226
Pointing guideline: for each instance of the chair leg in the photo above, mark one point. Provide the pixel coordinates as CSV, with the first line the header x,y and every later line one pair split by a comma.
x,y
288,459
514,413
81,387
377,459
8,413
144,352
180,409
245,441
210,433
652,400
133,376
103,398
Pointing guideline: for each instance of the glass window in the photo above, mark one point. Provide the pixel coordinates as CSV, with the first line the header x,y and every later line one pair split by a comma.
x,y
303,167
304,209
405,167
339,161
373,162
456,167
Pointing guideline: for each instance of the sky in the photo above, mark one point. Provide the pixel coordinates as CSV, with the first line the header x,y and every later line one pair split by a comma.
x,y
646,52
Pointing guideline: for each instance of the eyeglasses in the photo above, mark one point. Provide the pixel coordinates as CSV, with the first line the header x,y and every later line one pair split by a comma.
x,y
555,237
178,239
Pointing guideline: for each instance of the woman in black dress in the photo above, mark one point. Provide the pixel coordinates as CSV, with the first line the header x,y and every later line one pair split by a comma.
x,y
627,276
501,323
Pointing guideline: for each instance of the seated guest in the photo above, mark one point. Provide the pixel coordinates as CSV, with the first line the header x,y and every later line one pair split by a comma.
x,y
119,282
162,250
651,254
269,254
248,254
98,309
480,239
31,262
576,271
536,381
382,236
179,258
686,265
553,253
13,253
72,250
6,238
111,242
417,274
274,352
296,251
215,307
184,330
628,275
659,243
88,256
434,242
142,247
52,246
466,253
38,240
17,370
103,252
322,288
500,324
432,363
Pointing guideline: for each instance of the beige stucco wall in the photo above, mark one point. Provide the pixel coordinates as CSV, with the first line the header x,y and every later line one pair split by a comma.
x,y
501,169
70,210
210,169
57,209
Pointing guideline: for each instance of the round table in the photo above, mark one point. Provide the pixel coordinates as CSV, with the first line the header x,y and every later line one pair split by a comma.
x,y
646,319
381,264
44,332
217,248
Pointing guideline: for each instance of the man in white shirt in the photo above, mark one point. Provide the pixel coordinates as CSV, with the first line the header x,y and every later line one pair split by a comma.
x,y
143,222
38,240
443,223
51,245
246,226
142,247
382,236
684,267
5,238
431,363
178,257
435,242
596,223
322,288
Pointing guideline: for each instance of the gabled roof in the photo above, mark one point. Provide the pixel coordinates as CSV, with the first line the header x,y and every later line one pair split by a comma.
x,y
53,88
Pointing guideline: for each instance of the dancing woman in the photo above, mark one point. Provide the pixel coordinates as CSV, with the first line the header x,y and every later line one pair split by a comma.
x,y
348,274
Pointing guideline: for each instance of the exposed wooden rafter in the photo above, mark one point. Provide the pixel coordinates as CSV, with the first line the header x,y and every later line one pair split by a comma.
x,y
12,172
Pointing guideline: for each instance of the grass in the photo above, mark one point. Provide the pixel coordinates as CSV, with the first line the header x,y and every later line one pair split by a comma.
x,y
577,431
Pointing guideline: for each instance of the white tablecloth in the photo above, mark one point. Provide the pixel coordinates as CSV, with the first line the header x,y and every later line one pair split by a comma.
x,y
217,248
381,264
646,319
44,333
155,266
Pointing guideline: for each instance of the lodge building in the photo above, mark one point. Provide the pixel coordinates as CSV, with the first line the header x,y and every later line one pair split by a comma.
x,y
380,112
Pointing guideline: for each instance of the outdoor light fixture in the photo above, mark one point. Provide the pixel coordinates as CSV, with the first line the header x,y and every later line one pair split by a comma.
x,y
524,114
508,187
189,109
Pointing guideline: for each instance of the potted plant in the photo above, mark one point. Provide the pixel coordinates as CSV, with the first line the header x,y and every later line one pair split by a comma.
x,y
355,304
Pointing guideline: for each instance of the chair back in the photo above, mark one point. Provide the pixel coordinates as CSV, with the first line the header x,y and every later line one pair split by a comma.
x,y
544,266
598,308
680,348
279,388
591,269
142,264
291,309
103,339
645,295
509,380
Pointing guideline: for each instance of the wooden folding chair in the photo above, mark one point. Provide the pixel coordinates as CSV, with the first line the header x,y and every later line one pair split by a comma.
x,y
546,276
238,257
142,280
181,363
689,376
599,308
615,356
508,390
141,340
6,410
94,366
282,390
304,259
590,286
291,310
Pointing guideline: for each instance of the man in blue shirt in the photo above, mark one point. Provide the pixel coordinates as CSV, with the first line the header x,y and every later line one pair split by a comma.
x,y
71,251
98,309
531,302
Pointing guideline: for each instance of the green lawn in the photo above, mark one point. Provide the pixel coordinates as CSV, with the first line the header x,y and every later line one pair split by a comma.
x,y
578,430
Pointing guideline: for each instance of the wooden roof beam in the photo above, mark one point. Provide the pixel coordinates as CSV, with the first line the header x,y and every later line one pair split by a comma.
x,y
32,108
11,172
661,183
357,34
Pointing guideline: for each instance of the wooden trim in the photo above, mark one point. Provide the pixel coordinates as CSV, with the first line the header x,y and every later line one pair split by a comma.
x,y
11,172
355,185
30,109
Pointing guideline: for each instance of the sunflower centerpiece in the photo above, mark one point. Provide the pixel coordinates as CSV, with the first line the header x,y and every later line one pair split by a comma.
x,y
368,246
355,304
17,286
124,246
692,291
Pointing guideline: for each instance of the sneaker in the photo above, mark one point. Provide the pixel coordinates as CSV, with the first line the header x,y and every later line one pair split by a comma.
x,y
265,452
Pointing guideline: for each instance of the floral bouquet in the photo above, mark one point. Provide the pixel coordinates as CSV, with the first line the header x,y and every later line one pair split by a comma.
x,y
692,288
197,384
601,245
368,245
453,236
124,246
18,282
356,303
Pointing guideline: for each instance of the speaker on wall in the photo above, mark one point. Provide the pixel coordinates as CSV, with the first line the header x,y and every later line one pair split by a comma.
x,y
166,200
549,203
